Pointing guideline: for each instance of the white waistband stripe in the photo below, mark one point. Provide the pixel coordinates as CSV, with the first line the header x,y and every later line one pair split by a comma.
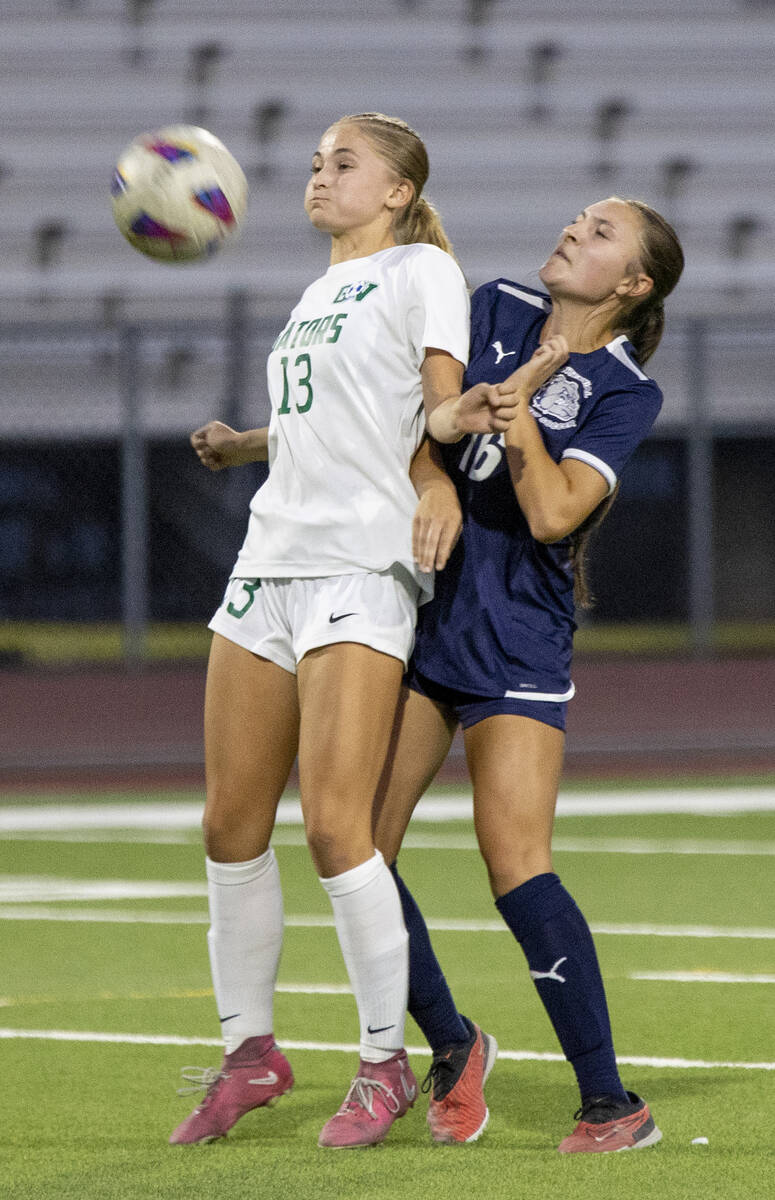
x,y
550,697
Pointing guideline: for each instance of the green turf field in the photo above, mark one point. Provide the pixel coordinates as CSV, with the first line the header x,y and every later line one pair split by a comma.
x,y
105,994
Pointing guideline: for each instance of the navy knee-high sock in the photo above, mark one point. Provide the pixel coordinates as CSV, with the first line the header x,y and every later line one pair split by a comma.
x,y
557,943
430,1000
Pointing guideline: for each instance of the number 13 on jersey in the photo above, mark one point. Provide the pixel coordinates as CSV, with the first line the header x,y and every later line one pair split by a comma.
x,y
297,384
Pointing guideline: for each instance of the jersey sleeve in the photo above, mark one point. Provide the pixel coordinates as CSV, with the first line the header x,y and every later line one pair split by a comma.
x,y
614,429
438,307
481,318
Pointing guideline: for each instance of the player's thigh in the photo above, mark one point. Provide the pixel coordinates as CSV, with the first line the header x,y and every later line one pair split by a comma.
x,y
251,738
421,738
515,764
347,694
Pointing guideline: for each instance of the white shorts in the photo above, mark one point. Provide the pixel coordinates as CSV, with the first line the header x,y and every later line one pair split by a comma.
x,y
282,619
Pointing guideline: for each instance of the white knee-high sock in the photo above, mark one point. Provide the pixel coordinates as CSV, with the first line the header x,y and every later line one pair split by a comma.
x,y
245,941
375,945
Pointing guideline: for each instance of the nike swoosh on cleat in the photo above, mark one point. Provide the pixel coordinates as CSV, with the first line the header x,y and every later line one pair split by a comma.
x,y
611,1133
269,1079
381,1029
332,619
231,1018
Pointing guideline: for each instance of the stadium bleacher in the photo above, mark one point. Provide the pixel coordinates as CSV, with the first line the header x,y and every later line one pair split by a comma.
x,y
528,112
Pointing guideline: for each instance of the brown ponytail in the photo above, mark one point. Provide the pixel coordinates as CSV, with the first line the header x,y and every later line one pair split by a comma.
x,y
404,152
646,329
662,259
580,541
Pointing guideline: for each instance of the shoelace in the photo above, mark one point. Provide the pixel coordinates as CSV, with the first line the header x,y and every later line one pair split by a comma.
x,y
202,1079
604,1106
362,1091
434,1079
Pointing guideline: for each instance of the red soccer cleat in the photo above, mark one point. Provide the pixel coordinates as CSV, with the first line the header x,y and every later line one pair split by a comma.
x,y
457,1111
606,1125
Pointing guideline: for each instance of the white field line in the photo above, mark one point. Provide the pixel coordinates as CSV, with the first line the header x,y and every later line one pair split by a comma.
x,y
451,806
610,845
600,845
117,837
106,916
30,912
688,931
439,840
142,1039
701,977
19,889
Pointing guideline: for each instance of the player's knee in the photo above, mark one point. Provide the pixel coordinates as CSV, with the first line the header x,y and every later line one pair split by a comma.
x,y
327,845
218,836
337,843
227,829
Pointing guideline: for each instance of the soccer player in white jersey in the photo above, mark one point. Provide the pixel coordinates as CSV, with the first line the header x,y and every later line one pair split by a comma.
x,y
317,623
493,648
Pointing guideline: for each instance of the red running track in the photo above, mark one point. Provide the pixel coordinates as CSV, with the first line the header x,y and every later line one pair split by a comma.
x,y
96,729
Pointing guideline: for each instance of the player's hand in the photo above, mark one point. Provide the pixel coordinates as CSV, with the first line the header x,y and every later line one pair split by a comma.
x,y
527,379
436,527
483,409
217,446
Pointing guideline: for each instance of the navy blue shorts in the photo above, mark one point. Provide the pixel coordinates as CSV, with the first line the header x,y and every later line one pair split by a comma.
x,y
470,709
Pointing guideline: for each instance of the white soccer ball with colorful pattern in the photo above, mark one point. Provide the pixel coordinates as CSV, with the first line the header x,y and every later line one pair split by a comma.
x,y
178,194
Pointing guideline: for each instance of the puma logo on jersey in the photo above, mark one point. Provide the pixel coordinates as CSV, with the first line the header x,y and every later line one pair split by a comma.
x,y
552,973
498,348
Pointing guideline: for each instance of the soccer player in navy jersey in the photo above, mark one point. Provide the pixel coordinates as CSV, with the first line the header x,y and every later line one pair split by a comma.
x,y
493,648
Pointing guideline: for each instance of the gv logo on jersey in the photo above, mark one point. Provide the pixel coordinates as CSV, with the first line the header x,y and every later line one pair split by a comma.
x,y
354,291
556,404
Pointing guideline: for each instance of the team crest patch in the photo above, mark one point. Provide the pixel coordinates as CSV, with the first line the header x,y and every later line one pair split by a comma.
x,y
557,403
354,291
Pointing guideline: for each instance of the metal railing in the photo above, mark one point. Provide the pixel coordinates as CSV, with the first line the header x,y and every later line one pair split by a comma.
x,y
67,381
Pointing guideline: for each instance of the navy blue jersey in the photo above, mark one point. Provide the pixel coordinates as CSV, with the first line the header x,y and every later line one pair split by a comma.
x,y
502,619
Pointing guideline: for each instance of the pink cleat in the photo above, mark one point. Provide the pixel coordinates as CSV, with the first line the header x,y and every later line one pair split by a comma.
x,y
378,1096
255,1075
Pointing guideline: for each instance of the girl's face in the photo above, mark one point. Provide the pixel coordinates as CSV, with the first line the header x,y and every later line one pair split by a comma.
x,y
351,187
598,256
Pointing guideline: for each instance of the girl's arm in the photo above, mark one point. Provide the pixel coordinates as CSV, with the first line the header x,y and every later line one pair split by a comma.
x,y
219,446
438,519
450,415
485,407
555,497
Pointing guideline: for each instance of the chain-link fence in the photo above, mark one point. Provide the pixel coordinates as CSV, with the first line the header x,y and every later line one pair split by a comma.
x,y
107,518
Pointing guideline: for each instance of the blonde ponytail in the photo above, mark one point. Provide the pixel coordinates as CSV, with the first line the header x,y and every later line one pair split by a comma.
x,y
420,222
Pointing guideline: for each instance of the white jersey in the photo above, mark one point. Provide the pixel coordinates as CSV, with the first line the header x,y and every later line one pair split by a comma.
x,y
347,415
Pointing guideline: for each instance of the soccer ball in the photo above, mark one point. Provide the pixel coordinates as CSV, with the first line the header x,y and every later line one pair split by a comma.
x,y
178,194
